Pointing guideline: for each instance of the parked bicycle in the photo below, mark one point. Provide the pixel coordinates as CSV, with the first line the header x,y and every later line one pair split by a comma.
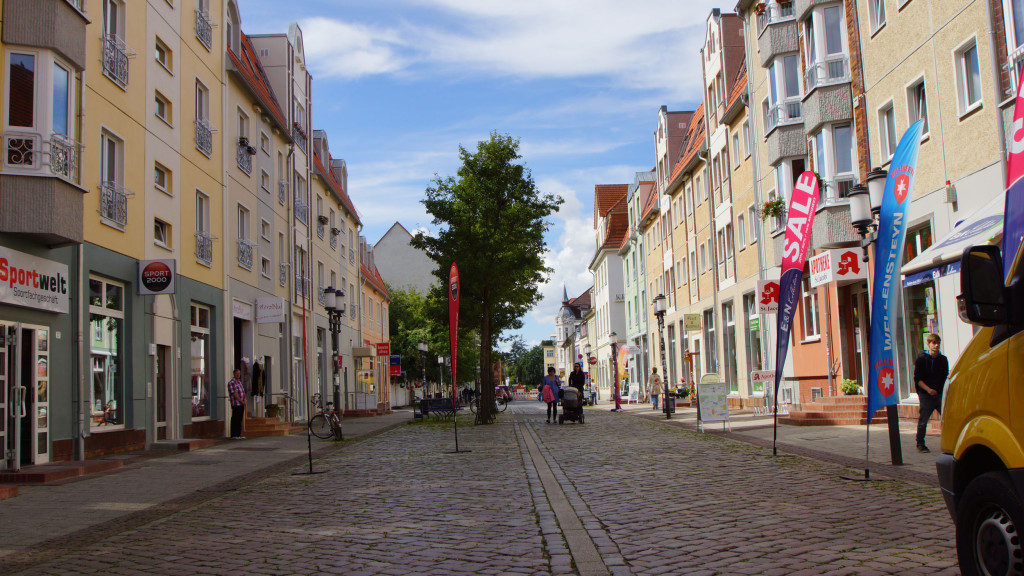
x,y
327,422
500,403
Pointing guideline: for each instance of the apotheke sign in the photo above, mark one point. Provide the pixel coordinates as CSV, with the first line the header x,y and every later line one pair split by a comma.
x,y
33,282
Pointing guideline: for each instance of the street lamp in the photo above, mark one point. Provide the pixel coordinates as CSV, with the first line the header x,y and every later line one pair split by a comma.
x,y
334,303
615,372
440,374
659,311
865,204
422,347
586,352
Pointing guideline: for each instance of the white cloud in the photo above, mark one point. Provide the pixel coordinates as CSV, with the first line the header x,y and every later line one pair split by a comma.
x,y
350,50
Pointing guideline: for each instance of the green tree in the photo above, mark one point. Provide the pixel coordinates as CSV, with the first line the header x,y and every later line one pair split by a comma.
x,y
492,224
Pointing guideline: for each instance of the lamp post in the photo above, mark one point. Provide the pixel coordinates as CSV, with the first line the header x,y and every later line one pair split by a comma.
x,y
586,352
440,374
334,303
615,372
422,347
659,311
865,204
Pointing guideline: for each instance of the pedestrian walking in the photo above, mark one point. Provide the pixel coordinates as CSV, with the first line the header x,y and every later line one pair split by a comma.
x,y
577,379
930,371
549,392
654,387
237,393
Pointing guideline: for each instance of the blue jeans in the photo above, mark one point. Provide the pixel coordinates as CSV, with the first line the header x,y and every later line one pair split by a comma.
x,y
552,410
654,400
929,404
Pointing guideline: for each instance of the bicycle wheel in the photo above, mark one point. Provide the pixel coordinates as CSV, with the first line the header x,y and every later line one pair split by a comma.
x,y
337,428
501,405
473,406
320,427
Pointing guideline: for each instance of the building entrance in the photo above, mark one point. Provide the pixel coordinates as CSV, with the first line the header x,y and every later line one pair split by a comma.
x,y
24,394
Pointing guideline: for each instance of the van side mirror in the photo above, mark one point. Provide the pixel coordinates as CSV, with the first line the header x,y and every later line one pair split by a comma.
x,y
983,298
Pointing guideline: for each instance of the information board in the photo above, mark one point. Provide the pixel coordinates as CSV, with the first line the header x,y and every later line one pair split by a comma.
x,y
712,402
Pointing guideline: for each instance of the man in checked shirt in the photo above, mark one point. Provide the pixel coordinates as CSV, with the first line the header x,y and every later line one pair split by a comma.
x,y
237,393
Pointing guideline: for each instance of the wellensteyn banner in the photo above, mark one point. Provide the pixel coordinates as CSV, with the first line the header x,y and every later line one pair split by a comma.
x,y
33,282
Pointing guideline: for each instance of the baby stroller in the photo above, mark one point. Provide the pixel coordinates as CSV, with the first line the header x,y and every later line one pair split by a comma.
x,y
572,406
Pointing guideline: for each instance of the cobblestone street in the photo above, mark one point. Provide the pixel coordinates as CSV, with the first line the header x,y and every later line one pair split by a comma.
x,y
618,495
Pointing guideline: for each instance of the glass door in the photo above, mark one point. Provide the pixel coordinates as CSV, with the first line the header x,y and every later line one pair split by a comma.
x,y
5,382
37,344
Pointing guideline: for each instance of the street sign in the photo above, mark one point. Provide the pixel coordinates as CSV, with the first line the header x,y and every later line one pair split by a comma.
x,y
396,365
593,360
383,348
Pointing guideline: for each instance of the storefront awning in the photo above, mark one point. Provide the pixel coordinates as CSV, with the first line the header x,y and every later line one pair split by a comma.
x,y
983,227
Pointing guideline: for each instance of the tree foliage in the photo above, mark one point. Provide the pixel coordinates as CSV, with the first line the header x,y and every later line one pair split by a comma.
x,y
491,220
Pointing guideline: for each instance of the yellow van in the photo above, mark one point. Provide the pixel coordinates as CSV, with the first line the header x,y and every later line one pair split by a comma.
x,y
981,468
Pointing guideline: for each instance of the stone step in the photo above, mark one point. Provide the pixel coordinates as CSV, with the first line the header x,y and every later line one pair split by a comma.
x,y
183,445
830,421
8,492
829,413
854,400
45,473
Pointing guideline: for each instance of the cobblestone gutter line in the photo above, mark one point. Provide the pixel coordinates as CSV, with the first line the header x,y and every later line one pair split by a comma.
x,y
66,544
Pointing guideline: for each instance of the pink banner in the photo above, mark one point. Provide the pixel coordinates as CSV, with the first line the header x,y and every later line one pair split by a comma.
x,y
453,320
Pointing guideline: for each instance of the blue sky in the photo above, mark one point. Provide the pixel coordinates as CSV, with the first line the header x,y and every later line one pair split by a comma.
x,y
398,85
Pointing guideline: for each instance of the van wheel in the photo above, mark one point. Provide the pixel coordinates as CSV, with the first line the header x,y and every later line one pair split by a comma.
x,y
989,520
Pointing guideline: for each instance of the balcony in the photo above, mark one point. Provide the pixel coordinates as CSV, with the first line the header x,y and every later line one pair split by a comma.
x,y
204,248
204,29
301,210
303,287
321,226
1013,68
786,112
831,70
245,251
245,153
351,256
57,25
334,238
299,136
785,141
115,60
832,226
776,32
114,204
320,295
63,157
204,136
282,191
836,191
827,104
802,8
282,273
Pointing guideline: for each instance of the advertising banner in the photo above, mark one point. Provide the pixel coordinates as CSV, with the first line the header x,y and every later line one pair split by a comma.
x,y
453,320
802,205
838,266
691,322
1013,222
156,276
383,348
33,282
270,310
767,296
396,364
892,231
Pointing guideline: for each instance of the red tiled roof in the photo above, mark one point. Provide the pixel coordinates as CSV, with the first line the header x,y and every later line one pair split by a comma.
x,y
608,195
333,183
373,278
617,226
249,68
740,86
693,142
648,199
582,301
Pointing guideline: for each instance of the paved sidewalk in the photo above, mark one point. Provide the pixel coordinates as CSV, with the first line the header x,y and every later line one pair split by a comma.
x,y
845,445
147,487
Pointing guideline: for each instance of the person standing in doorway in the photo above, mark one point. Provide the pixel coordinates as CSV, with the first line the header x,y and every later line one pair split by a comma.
x,y
654,387
930,371
237,393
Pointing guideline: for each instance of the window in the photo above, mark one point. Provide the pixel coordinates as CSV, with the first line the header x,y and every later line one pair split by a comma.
x,y
736,149
783,91
703,259
825,55
265,143
917,105
243,222
689,199
702,193
693,265
113,196
729,341
106,315
834,159
204,242
809,309
752,322
887,131
115,51
163,55
265,229
265,267
243,127
741,231
204,132
162,179
746,139
161,233
281,258
711,360
877,10
683,271
22,97
162,108
265,181
752,218
202,381
968,78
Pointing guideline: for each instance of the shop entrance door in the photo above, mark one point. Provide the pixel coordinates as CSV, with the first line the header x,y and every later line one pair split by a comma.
x,y
25,394
861,315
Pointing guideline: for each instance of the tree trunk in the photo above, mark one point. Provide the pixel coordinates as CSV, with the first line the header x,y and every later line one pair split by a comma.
x,y
485,414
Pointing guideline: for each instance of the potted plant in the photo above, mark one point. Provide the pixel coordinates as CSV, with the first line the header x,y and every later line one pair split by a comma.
x,y
273,410
772,209
760,8
849,387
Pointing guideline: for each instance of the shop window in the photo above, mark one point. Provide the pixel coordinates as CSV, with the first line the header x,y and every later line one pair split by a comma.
x,y
753,331
106,315
711,354
809,309
201,364
918,240
729,321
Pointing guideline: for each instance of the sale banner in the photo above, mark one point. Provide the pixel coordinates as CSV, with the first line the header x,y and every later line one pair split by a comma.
x,y
1013,221
453,320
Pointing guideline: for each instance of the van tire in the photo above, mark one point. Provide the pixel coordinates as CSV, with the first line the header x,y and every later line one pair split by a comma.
x,y
990,518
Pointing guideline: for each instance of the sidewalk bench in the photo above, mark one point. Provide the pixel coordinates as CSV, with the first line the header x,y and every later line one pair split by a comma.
x,y
437,407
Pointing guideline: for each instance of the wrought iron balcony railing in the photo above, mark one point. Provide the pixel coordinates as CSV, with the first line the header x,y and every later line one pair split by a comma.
x,y
115,59
831,70
282,273
303,284
301,210
114,204
788,111
204,247
245,154
352,255
245,251
320,295
204,136
282,191
773,14
204,29
64,157
299,135
21,150
26,151
334,239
